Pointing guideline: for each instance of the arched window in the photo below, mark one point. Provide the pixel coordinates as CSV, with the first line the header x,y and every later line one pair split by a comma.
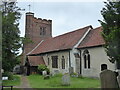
x,y
86,59
63,62
85,63
103,67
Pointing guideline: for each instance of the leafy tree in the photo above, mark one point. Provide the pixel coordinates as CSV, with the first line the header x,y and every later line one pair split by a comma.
x,y
111,30
11,41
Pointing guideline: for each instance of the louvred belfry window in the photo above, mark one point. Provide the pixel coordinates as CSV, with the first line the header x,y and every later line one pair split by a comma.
x,y
42,30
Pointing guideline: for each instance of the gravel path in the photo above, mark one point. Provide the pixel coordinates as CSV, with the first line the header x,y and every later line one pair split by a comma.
x,y
24,83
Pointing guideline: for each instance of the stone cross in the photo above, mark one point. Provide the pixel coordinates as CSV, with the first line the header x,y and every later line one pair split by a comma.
x,y
29,7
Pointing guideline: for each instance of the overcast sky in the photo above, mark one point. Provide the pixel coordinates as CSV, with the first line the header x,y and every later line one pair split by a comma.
x,y
65,16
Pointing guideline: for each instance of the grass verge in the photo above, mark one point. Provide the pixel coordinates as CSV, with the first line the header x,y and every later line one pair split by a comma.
x,y
37,81
15,82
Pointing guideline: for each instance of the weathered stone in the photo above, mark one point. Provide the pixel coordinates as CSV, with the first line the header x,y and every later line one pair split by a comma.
x,y
44,73
71,70
16,69
66,79
108,79
118,79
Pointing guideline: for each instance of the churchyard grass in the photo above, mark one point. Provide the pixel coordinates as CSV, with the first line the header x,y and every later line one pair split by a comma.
x,y
15,82
37,81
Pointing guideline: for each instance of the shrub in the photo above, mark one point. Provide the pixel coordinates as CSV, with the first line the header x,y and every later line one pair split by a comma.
x,y
74,75
42,67
8,74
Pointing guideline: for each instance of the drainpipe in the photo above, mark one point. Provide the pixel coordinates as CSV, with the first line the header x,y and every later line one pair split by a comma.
x,y
80,62
69,60
69,63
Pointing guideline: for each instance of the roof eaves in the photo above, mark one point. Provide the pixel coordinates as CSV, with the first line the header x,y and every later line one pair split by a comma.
x,y
90,46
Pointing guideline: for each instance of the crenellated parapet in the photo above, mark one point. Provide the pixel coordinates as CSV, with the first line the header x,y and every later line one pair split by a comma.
x,y
37,20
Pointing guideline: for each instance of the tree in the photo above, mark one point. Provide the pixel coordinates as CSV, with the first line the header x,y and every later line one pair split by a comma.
x,y
111,30
11,41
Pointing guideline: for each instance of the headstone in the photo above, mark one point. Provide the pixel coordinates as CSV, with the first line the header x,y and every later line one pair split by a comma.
x,y
71,70
16,69
66,79
118,79
44,73
108,79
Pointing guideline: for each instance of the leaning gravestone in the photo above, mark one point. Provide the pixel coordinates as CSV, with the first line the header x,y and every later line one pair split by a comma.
x,y
66,79
108,79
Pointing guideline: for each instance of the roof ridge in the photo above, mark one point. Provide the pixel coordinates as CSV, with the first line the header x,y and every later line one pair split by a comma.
x,y
97,28
83,37
74,31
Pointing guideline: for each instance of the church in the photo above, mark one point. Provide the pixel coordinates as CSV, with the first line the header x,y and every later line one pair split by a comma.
x,y
80,51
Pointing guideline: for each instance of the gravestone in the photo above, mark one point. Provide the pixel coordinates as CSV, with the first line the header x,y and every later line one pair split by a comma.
x,y
108,79
44,73
66,79
71,70
118,79
16,69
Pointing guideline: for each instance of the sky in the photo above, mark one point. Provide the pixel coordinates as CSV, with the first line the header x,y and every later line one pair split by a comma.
x,y
66,15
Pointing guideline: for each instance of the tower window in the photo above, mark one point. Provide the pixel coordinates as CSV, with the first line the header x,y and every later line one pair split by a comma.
x,y
42,30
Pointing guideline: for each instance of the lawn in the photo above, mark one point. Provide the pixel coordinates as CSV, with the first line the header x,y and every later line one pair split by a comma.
x,y
14,82
37,81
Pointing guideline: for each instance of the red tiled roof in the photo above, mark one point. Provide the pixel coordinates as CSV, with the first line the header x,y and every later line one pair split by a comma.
x,y
62,42
35,60
94,38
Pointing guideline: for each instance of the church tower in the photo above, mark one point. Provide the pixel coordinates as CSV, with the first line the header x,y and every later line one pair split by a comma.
x,y
36,29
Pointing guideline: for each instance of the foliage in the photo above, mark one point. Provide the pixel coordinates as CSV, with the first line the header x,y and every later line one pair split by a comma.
x,y
37,81
8,74
42,67
15,82
11,41
111,29
57,75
